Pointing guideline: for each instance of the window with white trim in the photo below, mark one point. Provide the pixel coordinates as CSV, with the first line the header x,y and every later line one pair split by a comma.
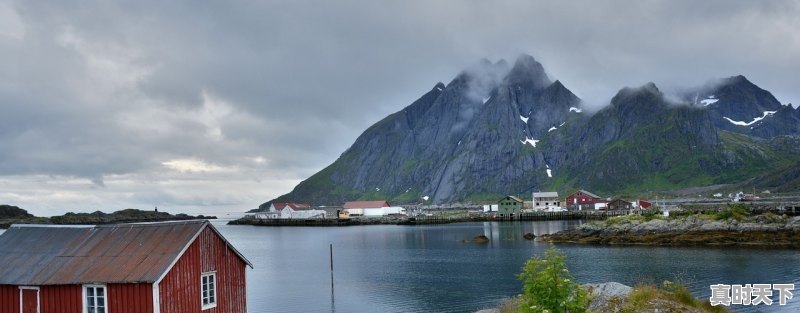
x,y
208,288
95,299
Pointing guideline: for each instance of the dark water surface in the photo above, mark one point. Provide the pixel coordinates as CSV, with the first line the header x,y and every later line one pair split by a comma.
x,y
428,268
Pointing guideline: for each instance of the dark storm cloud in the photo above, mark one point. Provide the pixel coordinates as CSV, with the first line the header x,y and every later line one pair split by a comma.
x,y
95,88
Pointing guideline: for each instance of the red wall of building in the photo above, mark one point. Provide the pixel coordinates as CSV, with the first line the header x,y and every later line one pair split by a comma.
x,y
9,298
582,199
61,299
179,291
130,298
122,298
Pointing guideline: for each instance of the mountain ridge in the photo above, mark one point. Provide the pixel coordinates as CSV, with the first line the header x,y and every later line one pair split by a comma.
x,y
495,130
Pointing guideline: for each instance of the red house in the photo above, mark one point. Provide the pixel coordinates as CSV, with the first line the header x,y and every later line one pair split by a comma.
x,y
643,204
583,200
144,268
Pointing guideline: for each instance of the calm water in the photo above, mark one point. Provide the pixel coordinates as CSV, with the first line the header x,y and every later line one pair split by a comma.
x,y
428,269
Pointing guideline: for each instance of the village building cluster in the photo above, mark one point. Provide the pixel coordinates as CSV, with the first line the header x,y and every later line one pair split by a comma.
x,y
580,200
348,209
509,206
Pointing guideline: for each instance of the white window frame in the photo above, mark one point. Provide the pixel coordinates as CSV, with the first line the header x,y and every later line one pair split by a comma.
x,y
105,297
38,297
213,296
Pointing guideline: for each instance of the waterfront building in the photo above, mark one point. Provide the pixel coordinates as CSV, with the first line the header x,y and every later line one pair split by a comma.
x,y
509,206
619,204
584,200
291,210
544,201
165,267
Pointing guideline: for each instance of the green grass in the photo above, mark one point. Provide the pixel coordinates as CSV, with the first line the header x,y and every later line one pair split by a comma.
x,y
672,295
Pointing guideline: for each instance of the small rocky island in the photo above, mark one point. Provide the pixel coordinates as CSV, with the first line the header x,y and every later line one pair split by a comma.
x,y
730,227
14,215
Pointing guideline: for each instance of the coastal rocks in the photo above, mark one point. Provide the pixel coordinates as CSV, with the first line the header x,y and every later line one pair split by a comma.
x,y
606,297
794,224
529,236
478,239
773,231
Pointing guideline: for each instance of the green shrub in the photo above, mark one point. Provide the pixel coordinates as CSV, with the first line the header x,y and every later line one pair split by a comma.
x,y
549,287
651,213
736,211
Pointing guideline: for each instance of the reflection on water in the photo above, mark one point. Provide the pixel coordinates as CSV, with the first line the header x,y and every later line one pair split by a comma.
x,y
429,269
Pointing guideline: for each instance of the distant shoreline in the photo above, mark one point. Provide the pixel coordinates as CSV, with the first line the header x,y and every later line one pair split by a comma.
x,y
97,218
427,220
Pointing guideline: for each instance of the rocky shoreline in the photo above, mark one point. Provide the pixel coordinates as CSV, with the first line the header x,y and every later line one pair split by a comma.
x,y
694,230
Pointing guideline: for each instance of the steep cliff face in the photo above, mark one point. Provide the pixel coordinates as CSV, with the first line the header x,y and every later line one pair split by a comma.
x,y
495,130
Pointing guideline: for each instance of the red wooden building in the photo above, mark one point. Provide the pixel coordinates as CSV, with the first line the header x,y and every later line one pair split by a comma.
x,y
583,200
642,204
171,267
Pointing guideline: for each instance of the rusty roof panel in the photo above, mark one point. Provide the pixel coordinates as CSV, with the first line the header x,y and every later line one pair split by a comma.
x,y
125,253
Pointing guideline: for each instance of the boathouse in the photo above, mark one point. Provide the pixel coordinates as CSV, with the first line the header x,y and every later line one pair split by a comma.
x,y
291,210
169,267
371,208
619,204
509,206
543,201
584,200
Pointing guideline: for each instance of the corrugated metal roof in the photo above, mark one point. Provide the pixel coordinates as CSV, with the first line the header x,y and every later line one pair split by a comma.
x,y
294,206
365,204
124,253
547,194
515,198
589,194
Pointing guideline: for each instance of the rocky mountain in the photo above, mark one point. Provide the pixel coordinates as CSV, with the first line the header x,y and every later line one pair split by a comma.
x,y
496,130
738,105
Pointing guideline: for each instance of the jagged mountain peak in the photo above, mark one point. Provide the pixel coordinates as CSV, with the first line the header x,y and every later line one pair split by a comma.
x,y
737,80
527,71
496,130
648,91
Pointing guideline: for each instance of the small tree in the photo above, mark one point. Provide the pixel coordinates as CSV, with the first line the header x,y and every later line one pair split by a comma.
x,y
549,287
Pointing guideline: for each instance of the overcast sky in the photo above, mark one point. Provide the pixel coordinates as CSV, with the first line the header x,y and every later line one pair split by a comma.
x,y
218,106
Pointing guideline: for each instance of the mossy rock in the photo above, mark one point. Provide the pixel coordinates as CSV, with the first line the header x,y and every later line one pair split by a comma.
x,y
479,239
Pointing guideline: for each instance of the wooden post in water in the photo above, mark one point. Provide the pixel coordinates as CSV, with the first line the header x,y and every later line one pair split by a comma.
x,y
333,301
331,252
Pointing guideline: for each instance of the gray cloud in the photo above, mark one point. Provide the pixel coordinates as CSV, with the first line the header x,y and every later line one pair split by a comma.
x,y
109,92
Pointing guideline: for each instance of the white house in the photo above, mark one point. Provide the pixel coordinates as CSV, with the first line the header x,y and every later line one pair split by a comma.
x,y
291,210
546,201
372,208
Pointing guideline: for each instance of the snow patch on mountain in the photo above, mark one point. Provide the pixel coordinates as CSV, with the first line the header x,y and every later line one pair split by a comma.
x,y
574,109
552,129
709,101
524,119
755,120
530,141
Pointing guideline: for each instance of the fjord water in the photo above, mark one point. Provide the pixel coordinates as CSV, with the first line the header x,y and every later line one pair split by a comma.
x,y
428,269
